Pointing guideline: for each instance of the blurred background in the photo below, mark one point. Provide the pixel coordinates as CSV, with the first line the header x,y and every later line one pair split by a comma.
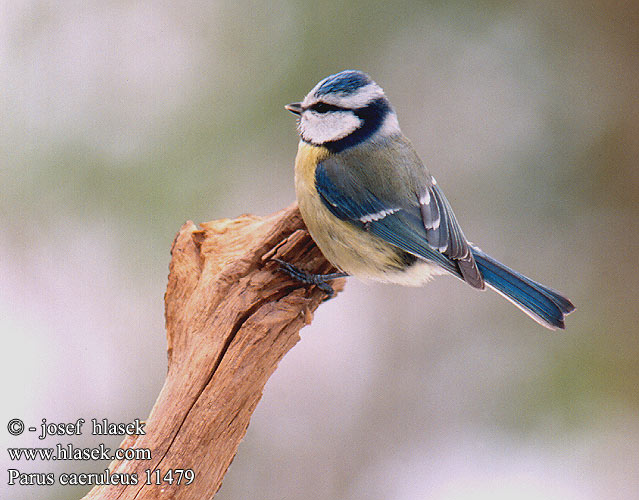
x,y
121,120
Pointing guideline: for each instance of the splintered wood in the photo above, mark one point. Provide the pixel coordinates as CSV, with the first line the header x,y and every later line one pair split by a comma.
x,y
231,315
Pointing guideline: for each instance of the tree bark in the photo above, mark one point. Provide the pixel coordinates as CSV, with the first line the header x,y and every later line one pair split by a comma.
x,y
231,315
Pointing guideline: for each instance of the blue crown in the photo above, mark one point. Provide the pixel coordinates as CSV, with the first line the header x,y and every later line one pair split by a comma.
x,y
345,82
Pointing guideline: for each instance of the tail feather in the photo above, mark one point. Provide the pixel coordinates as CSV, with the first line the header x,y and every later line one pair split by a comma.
x,y
546,306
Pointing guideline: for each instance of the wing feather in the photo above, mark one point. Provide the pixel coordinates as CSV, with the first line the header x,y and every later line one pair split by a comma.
x,y
422,223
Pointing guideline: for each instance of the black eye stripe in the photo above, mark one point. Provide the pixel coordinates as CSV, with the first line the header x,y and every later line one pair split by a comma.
x,y
322,107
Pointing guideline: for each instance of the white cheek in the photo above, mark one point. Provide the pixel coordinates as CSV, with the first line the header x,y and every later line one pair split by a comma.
x,y
319,128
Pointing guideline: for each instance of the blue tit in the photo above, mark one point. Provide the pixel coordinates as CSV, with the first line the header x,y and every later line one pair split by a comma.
x,y
377,213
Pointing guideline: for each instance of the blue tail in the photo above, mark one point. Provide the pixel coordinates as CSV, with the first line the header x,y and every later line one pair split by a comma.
x,y
542,304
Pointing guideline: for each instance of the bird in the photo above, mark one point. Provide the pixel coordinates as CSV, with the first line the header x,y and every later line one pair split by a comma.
x,y
376,212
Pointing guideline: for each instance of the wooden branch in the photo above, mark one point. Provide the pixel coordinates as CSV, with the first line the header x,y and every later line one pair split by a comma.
x,y
231,315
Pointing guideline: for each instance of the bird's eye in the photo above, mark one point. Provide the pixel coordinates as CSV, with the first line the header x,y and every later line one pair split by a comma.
x,y
322,107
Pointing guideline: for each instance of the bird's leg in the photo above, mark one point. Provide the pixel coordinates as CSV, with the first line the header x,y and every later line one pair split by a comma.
x,y
320,280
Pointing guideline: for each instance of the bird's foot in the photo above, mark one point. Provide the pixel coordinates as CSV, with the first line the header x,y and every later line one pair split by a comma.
x,y
319,280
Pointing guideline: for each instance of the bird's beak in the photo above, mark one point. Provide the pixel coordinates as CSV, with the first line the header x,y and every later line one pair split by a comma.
x,y
295,107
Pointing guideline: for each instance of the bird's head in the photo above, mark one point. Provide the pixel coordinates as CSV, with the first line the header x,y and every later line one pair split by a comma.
x,y
344,110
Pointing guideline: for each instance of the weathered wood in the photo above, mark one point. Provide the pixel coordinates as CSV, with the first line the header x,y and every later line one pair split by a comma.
x,y
231,315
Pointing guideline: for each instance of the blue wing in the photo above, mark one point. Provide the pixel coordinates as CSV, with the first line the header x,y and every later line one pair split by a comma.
x,y
422,224
428,229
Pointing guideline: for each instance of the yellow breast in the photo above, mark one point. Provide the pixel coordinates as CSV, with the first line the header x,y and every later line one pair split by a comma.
x,y
347,247
308,156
